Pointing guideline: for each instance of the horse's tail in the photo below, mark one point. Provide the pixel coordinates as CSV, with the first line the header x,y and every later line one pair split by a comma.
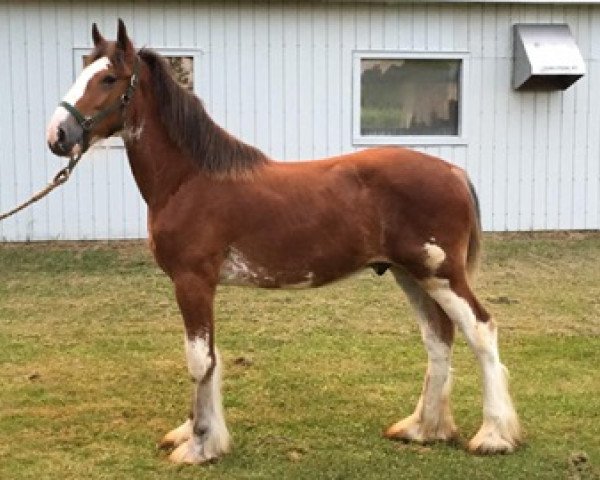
x,y
474,247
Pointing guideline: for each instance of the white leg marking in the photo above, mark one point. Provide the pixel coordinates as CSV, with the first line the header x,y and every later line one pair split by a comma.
x,y
197,353
436,418
432,418
73,95
500,431
210,438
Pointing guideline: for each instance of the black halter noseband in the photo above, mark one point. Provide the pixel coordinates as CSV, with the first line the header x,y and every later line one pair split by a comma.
x,y
87,123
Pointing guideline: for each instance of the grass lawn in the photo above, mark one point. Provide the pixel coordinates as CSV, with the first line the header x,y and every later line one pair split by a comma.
x,y
93,371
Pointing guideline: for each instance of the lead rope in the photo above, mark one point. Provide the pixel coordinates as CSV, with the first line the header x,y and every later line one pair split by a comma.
x,y
86,123
61,177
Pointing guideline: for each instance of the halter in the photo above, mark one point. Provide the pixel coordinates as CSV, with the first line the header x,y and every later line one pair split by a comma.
x,y
87,123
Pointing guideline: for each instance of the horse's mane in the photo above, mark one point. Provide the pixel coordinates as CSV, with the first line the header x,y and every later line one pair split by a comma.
x,y
191,128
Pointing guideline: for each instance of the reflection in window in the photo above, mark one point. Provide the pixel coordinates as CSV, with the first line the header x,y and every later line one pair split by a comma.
x,y
409,97
183,70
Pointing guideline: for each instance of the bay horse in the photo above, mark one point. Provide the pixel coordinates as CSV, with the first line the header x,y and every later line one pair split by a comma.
x,y
221,211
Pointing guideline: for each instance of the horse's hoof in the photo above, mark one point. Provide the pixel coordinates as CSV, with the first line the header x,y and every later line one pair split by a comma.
x,y
196,450
176,436
406,429
188,453
490,446
412,430
489,441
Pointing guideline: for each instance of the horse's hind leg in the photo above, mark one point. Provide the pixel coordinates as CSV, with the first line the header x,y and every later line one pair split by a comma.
x,y
500,431
432,419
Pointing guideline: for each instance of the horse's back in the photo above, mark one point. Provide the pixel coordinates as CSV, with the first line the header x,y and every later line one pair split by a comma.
x,y
393,166
397,179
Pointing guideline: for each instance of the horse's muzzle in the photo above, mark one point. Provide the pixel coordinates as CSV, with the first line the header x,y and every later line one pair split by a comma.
x,y
64,134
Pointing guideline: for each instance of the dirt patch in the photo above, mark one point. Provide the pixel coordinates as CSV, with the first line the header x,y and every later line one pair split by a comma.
x,y
580,467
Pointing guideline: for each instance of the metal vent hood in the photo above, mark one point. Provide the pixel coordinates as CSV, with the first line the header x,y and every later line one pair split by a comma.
x,y
546,57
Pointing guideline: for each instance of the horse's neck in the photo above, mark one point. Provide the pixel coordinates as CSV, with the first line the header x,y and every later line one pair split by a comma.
x,y
158,166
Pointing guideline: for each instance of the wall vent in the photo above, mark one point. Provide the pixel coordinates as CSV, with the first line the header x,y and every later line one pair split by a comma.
x,y
546,57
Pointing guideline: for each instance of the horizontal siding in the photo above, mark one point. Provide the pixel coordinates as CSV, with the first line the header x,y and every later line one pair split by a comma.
x,y
279,75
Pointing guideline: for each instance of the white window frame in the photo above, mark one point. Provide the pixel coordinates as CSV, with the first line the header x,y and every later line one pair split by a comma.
x,y
359,139
195,53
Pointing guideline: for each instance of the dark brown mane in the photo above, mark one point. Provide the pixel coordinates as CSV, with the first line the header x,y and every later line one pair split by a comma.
x,y
191,128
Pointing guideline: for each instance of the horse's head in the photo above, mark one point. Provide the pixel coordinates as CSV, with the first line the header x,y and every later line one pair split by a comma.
x,y
94,107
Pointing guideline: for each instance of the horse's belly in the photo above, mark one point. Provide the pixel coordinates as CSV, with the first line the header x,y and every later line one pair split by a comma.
x,y
239,270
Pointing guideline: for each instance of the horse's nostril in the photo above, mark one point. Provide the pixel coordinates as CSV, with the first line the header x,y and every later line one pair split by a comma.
x,y
61,134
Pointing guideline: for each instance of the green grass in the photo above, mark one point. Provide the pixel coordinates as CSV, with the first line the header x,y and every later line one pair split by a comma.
x,y
92,370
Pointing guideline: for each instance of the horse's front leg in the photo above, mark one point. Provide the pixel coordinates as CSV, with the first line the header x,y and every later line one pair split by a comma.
x,y
204,435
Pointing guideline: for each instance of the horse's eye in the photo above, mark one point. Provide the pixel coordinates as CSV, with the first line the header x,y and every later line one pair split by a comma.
x,y
109,80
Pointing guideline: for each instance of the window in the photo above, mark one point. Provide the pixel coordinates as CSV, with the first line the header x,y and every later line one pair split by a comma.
x,y
182,62
409,98
183,70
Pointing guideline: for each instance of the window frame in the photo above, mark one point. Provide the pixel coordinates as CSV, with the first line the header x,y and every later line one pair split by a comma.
x,y
359,139
195,53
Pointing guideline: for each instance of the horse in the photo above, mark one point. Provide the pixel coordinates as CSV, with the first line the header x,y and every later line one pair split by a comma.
x,y
222,212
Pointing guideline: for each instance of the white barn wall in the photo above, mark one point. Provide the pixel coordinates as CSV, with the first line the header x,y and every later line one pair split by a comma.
x,y
279,75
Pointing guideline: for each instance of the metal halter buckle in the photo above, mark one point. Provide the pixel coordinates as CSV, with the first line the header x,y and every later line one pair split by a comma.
x,y
87,123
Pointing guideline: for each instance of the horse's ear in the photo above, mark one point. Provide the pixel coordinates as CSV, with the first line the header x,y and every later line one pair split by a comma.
x,y
96,35
123,41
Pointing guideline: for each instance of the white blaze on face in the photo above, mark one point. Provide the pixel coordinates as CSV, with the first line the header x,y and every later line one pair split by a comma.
x,y
78,88
74,94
